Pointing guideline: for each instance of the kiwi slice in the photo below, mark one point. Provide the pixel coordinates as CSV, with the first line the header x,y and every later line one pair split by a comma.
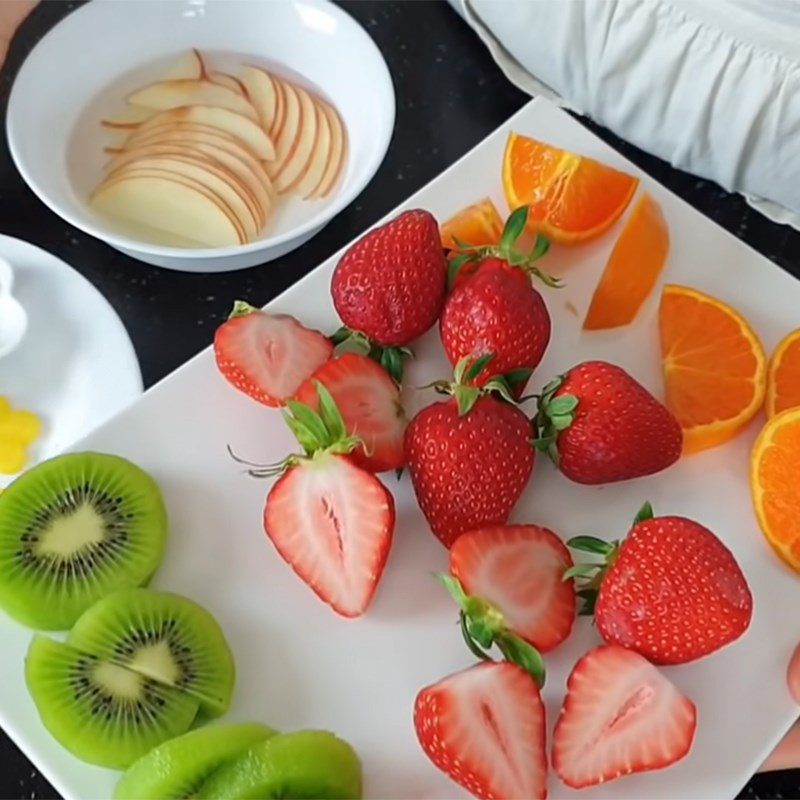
x,y
177,768
101,712
161,636
72,529
306,765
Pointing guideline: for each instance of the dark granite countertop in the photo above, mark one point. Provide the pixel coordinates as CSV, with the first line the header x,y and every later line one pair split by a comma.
x,y
450,95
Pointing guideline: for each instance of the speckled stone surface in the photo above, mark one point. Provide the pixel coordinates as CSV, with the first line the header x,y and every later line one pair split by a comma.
x,y
450,96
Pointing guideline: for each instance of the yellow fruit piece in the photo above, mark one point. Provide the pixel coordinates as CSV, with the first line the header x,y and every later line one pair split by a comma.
x,y
18,429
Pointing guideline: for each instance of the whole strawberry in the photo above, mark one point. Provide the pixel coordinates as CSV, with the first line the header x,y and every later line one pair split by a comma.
x,y
493,306
671,590
469,457
388,288
599,425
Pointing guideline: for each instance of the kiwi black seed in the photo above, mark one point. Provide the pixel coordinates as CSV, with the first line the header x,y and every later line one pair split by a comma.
x,y
162,636
101,712
73,529
177,768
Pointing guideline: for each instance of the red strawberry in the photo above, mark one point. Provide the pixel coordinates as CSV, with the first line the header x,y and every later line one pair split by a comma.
x,y
267,356
513,578
389,286
494,307
485,728
369,401
599,426
469,459
671,590
330,520
620,716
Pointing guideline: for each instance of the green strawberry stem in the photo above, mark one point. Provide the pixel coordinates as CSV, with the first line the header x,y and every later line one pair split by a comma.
x,y
554,414
505,250
589,576
390,358
318,433
241,308
467,371
483,626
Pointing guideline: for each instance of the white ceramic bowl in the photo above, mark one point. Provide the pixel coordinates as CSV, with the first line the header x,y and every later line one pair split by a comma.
x,y
83,68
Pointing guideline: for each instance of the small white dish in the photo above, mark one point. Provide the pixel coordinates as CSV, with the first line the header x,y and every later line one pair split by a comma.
x,y
60,96
76,366
13,319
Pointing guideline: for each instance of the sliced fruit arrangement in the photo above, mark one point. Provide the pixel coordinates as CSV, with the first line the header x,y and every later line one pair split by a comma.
x,y
330,520
199,157
494,308
774,466
635,263
508,580
370,405
714,367
485,728
179,767
470,456
477,224
302,764
135,670
783,376
620,716
670,590
572,198
73,529
599,425
388,288
268,356
19,429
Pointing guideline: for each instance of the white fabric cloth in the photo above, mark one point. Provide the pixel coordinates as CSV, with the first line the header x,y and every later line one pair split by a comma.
x,y
712,86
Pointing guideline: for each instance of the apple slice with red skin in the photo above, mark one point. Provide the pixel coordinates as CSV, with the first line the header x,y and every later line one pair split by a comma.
x,y
289,133
166,95
303,148
320,157
338,151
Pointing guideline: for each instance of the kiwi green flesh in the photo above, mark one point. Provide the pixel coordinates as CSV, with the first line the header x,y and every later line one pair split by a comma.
x,y
72,529
162,636
305,765
102,713
177,768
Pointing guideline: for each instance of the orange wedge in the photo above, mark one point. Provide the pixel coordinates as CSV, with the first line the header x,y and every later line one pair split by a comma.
x,y
783,377
633,268
774,467
572,198
478,224
714,367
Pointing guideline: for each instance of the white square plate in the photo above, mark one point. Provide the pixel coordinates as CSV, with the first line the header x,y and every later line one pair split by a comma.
x,y
299,665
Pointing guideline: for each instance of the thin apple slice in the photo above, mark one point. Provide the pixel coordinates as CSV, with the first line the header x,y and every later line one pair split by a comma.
x,y
129,118
262,93
280,110
165,95
231,81
223,183
296,162
289,134
214,117
202,151
176,207
321,157
338,151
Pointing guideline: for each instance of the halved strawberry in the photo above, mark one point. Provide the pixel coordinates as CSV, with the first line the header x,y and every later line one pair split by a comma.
x,y
268,356
369,401
518,570
330,520
485,728
620,716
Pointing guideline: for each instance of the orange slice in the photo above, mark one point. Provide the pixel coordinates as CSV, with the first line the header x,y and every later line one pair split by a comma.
x,y
572,198
478,224
633,268
783,378
714,367
774,466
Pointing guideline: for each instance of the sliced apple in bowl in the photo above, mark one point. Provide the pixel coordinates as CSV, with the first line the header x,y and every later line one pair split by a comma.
x,y
164,95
